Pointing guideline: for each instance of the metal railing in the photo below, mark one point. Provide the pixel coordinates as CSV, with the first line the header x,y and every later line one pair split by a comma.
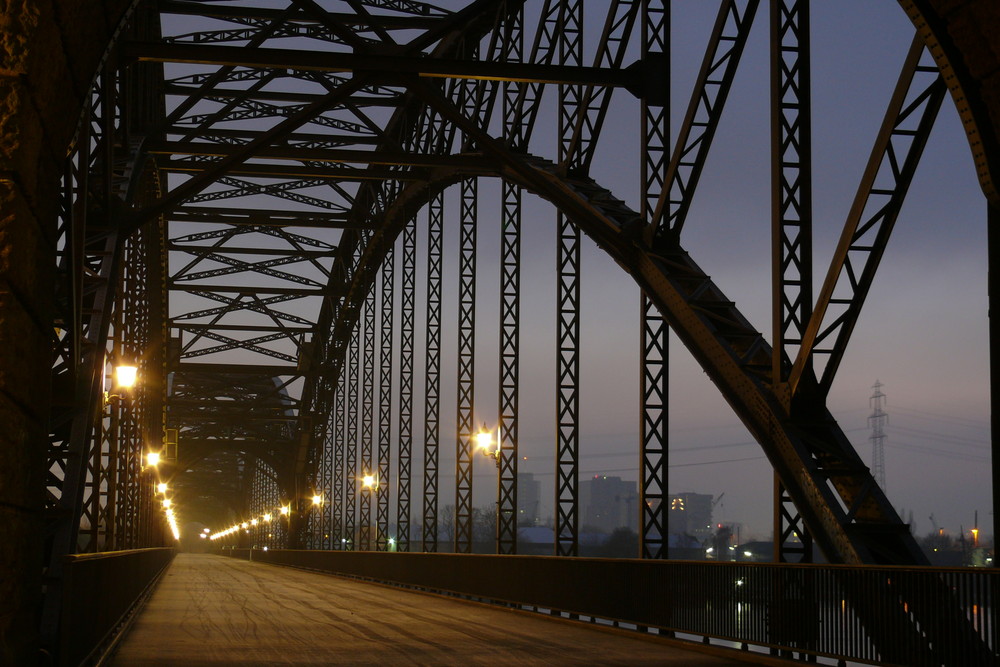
x,y
99,591
876,615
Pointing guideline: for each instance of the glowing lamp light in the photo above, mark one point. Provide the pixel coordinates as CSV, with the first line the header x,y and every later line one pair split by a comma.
x,y
317,500
243,525
125,376
267,517
253,522
484,439
152,458
368,481
161,487
285,509
167,502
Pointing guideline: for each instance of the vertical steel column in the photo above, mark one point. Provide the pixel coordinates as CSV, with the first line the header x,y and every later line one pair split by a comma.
x,y
465,427
383,490
791,184
406,386
567,307
349,480
510,327
432,375
338,487
791,222
272,501
510,306
104,482
328,485
792,541
255,508
653,505
129,321
367,420
993,290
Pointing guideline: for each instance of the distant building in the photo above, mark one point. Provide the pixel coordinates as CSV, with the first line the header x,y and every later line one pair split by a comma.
x,y
529,498
691,514
607,503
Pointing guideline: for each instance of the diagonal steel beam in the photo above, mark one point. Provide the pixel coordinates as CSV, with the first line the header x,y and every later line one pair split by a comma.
x,y
340,61
863,240
708,99
814,459
198,183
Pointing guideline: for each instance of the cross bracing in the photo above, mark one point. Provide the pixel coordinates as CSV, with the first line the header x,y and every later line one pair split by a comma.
x,y
292,152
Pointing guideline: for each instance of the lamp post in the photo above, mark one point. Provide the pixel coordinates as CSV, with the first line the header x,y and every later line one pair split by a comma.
x,y
369,485
484,440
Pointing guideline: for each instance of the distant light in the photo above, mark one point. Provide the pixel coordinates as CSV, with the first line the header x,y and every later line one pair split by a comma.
x,y
265,548
203,536
739,582
285,509
167,502
392,541
253,522
126,376
267,517
207,530
161,487
243,525
317,500
368,481
152,458
748,554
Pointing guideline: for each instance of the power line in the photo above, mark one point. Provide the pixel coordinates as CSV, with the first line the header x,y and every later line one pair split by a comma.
x,y
877,420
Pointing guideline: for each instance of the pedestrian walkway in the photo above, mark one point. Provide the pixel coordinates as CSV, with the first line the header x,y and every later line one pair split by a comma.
x,y
213,610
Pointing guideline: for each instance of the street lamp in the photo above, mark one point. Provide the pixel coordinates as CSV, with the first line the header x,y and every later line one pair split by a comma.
x,y
126,376
484,440
161,487
370,482
125,379
152,459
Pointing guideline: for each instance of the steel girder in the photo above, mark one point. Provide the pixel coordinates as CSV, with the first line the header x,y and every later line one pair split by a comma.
x,y
369,203
654,334
823,473
305,264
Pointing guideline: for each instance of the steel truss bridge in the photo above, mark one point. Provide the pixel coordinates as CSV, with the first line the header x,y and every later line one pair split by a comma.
x,y
241,213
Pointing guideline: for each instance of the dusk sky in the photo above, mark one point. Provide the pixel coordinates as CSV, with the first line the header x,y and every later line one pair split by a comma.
x,y
923,332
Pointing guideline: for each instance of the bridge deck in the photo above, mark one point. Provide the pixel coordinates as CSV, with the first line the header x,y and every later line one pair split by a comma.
x,y
211,610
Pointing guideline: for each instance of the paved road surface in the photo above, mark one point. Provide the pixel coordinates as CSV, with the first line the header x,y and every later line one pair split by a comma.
x,y
213,610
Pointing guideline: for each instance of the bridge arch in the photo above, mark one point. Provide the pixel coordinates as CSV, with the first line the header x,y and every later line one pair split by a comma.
x,y
52,52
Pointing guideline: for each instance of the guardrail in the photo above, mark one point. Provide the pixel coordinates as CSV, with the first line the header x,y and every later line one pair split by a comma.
x,y
99,590
875,615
